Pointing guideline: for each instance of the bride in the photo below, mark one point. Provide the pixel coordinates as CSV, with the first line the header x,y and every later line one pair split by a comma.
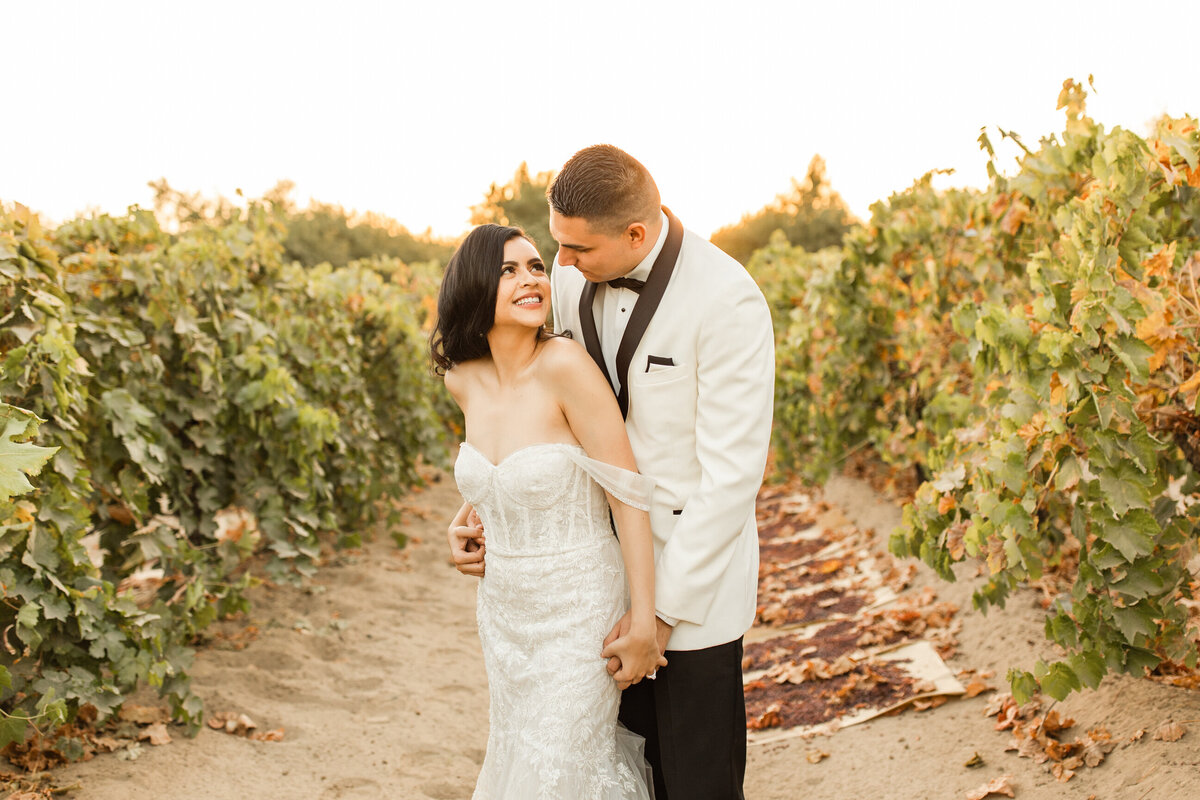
x,y
546,457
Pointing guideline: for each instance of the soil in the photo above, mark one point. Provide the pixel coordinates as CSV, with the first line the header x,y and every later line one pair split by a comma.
x,y
374,672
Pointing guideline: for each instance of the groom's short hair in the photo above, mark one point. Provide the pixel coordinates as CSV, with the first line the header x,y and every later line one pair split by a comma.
x,y
607,187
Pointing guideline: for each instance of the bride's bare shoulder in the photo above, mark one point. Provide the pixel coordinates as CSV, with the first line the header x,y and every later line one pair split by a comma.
x,y
564,359
461,378
559,352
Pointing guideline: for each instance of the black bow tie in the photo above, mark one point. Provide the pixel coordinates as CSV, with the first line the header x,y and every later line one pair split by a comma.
x,y
627,283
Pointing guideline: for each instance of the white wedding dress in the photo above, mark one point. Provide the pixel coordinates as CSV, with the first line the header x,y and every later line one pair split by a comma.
x,y
553,589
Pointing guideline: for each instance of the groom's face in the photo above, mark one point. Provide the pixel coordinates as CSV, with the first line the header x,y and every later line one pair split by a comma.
x,y
597,255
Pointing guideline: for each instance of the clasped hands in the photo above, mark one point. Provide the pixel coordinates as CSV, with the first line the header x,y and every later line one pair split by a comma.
x,y
632,654
467,545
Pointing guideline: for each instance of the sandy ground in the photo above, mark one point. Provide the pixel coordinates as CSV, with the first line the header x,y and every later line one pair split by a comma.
x,y
375,674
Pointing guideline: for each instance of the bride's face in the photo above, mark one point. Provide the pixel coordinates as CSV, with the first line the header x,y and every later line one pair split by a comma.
x,y
523,295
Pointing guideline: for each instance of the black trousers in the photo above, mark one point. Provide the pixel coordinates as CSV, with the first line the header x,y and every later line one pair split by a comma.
x,y
693,717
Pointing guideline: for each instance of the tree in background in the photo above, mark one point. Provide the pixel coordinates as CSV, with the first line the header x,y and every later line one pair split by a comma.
x,y
812,215
327,233
521,202
323,233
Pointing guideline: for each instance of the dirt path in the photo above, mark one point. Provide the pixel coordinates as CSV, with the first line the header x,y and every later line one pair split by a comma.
x,y
375,673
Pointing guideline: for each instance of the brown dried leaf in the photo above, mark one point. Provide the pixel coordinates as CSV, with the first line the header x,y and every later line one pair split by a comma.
x,y
1016,214
815,756
1094,752
932,702
231,722
107,744
954,537
840,666
976,688
143,715
274,735
997,702
1061,773
1053,723
1170,732
770,718
997,786
157,734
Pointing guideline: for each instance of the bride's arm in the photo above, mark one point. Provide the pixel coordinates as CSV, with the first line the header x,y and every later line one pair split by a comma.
x,y
591,411
465,534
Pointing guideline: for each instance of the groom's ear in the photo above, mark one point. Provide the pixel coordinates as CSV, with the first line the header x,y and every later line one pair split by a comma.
x,y
636,234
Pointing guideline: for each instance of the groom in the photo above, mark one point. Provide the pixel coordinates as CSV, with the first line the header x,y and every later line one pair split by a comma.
x,y
685,338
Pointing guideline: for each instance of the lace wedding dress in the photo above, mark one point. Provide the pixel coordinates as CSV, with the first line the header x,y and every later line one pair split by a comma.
x,y
553,589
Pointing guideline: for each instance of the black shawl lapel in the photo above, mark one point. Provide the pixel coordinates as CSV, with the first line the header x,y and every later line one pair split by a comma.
x,y
587,321
643,311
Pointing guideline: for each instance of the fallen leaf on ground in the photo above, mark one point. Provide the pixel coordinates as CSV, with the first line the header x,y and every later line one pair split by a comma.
x,y
932,702
275,735
997,786
143,715
1061,773
974,761
815,756
1099,743
976,688
996,703
1170,732
156,733
231,722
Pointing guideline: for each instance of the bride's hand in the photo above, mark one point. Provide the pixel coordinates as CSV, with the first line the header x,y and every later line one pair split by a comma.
x,y
638,653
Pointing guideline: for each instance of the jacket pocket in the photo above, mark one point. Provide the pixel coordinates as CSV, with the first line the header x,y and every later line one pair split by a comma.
x,y
657,376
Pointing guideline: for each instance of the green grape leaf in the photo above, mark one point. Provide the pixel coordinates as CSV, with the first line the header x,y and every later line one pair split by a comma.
x,y
1132,535
1134,354
18,459
1134,621
1125,487
12,729
1060,681
1140,581
1089,667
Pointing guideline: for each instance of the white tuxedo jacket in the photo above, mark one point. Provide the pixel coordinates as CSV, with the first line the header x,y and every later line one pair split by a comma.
x,y
699,390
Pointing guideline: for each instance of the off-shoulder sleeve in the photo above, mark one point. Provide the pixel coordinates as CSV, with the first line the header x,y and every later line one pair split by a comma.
x,y
631,488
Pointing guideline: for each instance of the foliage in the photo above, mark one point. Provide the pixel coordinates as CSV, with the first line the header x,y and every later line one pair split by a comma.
x,y
205,401
1032,350
811,215
521,202
321,233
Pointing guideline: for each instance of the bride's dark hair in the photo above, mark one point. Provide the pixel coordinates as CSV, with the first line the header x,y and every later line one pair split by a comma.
x,y
466,304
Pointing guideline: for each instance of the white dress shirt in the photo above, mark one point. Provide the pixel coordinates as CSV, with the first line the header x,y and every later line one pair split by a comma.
x,y
617,304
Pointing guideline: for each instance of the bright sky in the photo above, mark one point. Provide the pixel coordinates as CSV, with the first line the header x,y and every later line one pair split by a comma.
x,y
412,109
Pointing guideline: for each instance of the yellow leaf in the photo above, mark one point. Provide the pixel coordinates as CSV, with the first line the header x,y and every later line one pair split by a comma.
x,y
1160,263
1190,385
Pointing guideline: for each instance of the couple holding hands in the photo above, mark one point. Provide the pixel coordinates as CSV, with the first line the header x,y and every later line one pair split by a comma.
x,y
613,662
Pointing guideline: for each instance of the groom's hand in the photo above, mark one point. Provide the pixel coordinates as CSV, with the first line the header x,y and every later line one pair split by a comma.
x,y
466,539
619,630
662,631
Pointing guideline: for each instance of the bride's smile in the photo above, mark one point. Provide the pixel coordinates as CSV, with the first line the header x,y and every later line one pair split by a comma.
x,y
521,297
